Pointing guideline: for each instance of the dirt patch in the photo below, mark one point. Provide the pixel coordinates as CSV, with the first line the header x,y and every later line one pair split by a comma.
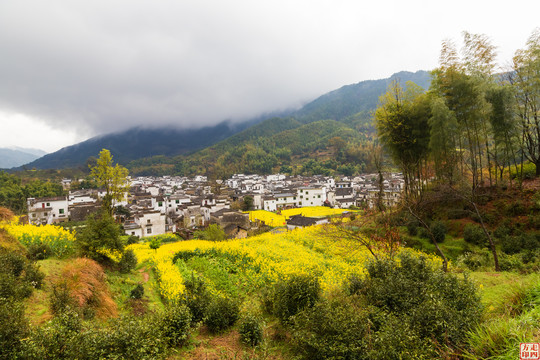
x,y
215,347
145,275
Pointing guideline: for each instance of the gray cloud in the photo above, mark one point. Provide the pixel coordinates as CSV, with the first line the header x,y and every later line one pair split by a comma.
x,y
99,66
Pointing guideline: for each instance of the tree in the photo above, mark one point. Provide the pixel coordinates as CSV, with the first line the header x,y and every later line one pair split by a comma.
x,y
402,125
248,203
112,178
213,233
100,235
526,81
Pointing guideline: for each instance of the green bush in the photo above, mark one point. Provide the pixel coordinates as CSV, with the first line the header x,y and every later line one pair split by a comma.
x,y
518,243
516,208
137,292
39,251
435,305
175,324
18,276
510,262
474,234
412,228
221,314
60,299
529,171
128,261
14,327
197,297
251,328
100,233
338,328
295,294
132,239
423,233
438,229
213,233
66,337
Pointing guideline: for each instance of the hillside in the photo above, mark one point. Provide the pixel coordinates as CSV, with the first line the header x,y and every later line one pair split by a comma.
x,y
301,141
350,105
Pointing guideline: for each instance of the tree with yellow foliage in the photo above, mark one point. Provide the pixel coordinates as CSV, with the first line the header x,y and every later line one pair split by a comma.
x,y
113,178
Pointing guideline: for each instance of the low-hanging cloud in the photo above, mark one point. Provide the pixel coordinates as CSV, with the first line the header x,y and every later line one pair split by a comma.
x,y
101,66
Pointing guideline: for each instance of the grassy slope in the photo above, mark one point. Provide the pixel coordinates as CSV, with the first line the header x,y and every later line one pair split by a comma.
x,y
498,290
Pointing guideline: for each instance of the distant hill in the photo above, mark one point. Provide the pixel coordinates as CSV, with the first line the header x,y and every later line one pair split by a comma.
x,y
13,157
137,143
352,99
350,105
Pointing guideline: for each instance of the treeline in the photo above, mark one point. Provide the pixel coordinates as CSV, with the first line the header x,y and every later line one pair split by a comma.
x,y
473,123
13,194
15,189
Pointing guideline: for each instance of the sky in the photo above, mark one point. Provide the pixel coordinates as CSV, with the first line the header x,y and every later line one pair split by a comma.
x,y
71,70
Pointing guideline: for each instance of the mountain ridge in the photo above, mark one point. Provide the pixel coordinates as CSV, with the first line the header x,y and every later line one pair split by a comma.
x,y
350,104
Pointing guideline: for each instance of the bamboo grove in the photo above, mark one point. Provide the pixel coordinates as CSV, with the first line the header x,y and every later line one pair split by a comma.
x,y
475,123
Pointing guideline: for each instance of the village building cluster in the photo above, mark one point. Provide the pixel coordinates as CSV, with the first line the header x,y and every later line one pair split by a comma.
x,y
172,204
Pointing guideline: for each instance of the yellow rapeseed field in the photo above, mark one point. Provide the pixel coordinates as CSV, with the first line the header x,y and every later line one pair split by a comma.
x,y
58,240
273,220
268,258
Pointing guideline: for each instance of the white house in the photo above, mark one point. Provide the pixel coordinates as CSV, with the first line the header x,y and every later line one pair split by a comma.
x,y
311,196
49,210
146,223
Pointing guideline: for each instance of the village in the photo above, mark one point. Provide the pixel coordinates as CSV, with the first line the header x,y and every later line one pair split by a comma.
x,y
171,204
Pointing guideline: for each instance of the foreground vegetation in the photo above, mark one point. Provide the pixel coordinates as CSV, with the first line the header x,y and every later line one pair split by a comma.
x,y
306,293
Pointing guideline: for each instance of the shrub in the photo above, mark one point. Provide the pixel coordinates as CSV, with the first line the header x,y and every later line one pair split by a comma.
x,y
510,262
67,338
137,292
221,314
14,327
295,294
128,261
154,243
412,228
474,234
423,233
60,299
518,243
333,329
197,297
434,304
175,324
100,234
39,251
516,208
501,232
132,239
18,276
438,229
251,328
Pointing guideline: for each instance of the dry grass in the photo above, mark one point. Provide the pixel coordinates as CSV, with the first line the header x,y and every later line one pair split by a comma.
x,y
87,284
6,214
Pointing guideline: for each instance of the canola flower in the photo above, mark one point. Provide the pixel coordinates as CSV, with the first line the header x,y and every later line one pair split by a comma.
x,y
112,254
59,240
273,219
267,258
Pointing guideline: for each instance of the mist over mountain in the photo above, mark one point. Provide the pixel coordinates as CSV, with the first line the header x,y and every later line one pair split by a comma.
x,y
16,156
349,104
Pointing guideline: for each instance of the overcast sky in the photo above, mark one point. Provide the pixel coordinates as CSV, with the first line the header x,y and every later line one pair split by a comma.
x,y
70,70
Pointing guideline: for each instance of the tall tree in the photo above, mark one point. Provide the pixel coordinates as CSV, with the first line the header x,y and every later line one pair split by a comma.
x,y
402,124
526,81
113,178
